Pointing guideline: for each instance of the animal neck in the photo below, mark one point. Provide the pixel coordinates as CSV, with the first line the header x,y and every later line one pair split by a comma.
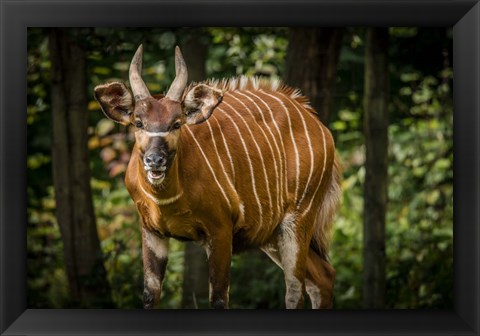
x,y
169,191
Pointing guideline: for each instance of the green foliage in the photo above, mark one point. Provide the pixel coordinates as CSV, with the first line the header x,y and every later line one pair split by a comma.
x,y
46,278
246,51
256,282
420,195
420,210
420,252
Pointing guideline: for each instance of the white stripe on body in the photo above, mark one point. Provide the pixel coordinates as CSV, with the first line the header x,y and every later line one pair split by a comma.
x,y
252,175
210,167
280,137
323,172
260,154
320,125
226,145
218,156
307,135
312,115
281,170
315,118
279,192
297,158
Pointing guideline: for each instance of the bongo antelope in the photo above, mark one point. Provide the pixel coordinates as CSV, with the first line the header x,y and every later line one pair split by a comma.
x,y
230,164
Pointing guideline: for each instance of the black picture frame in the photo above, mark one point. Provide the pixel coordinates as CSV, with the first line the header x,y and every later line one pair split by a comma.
x,y
17,15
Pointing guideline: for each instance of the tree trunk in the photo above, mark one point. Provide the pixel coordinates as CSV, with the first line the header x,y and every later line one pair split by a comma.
x,y
74,209
311,65
195,275
376,166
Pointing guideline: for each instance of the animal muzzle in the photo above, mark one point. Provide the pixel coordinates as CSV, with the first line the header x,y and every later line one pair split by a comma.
x,y
155,164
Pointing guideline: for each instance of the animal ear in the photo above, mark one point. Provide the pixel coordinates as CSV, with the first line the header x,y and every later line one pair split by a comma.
x,y
200,102
116,101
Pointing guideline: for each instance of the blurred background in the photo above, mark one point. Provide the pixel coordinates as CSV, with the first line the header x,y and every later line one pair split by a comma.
x,y
385,93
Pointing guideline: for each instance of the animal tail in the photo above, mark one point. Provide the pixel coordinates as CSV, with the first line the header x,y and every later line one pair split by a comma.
x,y
326,213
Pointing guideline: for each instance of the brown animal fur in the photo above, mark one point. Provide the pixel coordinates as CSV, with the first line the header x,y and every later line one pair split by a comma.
x,y
261,170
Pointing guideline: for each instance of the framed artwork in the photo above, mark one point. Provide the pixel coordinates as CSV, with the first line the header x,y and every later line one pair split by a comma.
x,y
17,318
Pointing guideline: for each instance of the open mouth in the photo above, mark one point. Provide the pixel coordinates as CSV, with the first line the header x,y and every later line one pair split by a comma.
x,y
156,174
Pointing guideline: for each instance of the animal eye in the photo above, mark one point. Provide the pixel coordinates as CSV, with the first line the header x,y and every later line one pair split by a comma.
x,y
138,124
177,125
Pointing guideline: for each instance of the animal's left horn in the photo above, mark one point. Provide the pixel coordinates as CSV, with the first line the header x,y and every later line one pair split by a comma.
x,y
181,76
139,89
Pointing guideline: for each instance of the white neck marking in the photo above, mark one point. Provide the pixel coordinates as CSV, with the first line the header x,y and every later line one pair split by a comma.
x,y
162,201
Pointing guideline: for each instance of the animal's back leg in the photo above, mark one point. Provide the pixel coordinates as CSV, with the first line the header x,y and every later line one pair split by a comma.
x,y
289,249
320,274
320,281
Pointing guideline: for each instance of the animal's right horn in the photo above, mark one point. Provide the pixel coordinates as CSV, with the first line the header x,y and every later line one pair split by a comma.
x,y
139,89
181,76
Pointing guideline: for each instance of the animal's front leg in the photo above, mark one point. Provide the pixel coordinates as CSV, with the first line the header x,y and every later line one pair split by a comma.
x,y
155,257
219,256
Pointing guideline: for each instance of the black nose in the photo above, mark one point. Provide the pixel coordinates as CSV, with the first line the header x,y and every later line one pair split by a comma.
x,y
154,160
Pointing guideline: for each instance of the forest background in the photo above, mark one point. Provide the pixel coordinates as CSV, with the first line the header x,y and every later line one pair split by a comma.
x,y
385,93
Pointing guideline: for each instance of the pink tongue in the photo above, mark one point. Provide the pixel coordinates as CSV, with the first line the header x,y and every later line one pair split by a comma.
x,y
155,174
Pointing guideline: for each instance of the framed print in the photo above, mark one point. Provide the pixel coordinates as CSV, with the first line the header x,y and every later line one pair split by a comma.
x,y
24,314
